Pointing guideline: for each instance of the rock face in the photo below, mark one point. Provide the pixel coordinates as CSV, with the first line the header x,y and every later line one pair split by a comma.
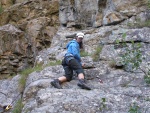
x,y
11,55
95,13
38,21
113,90
110,90
24,32
9,92
31,35
6,3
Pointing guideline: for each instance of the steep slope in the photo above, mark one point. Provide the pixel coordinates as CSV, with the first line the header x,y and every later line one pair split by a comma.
x,y
107,24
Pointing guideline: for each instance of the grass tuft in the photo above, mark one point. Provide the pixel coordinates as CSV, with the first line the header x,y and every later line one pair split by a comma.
x,y
83,53
96,54
18,107
1,9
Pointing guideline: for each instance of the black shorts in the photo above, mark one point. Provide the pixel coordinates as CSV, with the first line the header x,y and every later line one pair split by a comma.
x,y
70,66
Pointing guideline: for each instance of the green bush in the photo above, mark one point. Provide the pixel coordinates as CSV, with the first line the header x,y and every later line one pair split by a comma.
x,y
102,104
147,77
96,54
134,108
132,56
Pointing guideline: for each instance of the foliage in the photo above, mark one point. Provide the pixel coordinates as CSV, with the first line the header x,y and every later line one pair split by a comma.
x,y
102,104
95,55
18,107
134,108
1,9
83,53
147,77
148,4
54,63
132,56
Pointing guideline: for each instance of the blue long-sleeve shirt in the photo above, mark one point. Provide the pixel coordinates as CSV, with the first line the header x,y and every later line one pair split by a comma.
x,y
74,49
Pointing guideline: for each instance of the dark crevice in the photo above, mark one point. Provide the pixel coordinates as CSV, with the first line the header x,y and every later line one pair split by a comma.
x,y
115,23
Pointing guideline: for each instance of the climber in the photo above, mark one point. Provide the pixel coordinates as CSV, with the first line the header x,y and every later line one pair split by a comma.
x,y
72,62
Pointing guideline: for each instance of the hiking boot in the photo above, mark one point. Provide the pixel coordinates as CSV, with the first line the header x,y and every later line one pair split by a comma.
x,y
83,85
56,84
